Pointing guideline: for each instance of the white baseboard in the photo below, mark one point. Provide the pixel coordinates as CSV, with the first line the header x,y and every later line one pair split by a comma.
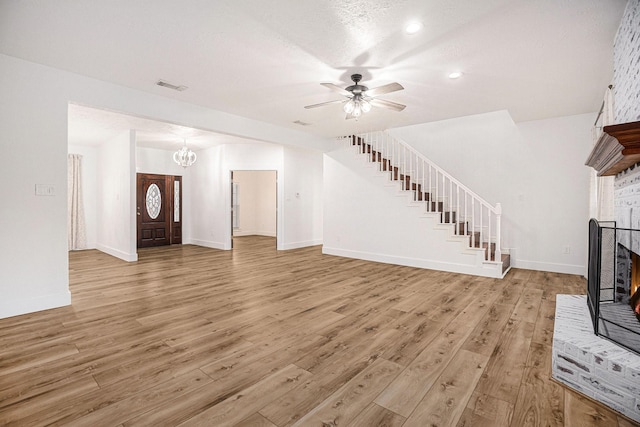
x,y
415,262
118,253
580,270
238,233
208,244
302,244
17,307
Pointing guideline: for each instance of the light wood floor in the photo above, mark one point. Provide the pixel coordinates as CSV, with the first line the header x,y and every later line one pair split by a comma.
x,y
256,337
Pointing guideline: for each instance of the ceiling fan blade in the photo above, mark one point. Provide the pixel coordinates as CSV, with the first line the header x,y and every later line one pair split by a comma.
x,y
337,89
387,104
322,104
380,90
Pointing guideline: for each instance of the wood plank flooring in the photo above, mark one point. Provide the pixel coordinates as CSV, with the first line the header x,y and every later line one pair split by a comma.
x,y
255,337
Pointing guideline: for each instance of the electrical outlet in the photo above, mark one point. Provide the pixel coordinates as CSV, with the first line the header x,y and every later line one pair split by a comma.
x,y
566,250
45,190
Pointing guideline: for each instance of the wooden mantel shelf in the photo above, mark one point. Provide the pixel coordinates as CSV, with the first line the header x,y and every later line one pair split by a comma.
x,y
617,149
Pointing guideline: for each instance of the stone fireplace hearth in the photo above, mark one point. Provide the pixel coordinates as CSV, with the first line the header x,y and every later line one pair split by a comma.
x,y
592,365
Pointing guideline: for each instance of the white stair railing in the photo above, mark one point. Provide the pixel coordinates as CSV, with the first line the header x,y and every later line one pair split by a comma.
x,y
436,189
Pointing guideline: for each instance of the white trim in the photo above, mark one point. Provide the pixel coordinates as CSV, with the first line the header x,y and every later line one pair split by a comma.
x,y
118,253
46,302
551,267
209,244
491,270
302,244
240,233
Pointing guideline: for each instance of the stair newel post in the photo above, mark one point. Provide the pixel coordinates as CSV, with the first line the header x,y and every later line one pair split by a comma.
x,y
498,212
489,221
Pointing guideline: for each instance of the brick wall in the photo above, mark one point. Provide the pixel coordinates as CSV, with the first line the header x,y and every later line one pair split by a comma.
x,y
626,94
626,66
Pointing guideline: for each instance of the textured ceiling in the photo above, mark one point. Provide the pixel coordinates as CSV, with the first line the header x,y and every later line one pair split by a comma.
x,y
265,59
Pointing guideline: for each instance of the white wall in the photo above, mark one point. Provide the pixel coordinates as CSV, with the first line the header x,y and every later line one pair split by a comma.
x,y
368,217
211,192
303,198
206,186
211,180
257,203
89,190
534,169
158,161
33,119
117,197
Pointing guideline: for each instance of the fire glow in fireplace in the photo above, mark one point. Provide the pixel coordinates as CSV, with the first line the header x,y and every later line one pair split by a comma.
x,y
613,290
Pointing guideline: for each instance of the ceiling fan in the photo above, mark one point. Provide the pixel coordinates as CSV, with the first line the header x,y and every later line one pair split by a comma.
x,y
360,98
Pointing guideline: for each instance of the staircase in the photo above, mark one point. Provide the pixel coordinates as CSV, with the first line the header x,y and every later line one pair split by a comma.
x,y
438,193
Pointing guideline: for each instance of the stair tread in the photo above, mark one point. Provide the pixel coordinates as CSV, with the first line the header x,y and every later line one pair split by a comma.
x,y
447,216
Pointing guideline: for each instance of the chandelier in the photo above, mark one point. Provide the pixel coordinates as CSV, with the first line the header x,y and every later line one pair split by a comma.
x,y
357,105
184,156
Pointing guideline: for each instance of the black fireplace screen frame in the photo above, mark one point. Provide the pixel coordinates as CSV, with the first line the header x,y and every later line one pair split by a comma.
x,y
605,243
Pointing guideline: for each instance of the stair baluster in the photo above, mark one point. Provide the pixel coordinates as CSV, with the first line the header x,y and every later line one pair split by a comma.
x,y
441,193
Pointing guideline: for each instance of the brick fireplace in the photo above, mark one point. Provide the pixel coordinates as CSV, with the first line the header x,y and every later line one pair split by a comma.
x,y
596,347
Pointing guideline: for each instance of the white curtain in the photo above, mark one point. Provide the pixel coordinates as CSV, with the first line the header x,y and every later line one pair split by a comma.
x,y
76,228
601,187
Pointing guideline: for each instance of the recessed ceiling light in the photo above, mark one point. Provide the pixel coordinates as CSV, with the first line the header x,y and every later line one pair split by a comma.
x,y
455,75
413,27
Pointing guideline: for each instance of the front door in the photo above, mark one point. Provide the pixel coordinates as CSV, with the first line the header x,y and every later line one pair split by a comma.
x,y
156,209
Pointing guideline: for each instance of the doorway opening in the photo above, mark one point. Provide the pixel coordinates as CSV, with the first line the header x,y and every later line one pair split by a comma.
x,y
254,210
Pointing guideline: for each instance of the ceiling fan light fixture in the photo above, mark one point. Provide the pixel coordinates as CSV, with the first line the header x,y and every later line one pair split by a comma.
x,y
360,99
365,106
349,106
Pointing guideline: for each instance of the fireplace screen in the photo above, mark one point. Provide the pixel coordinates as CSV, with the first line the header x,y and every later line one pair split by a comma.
x,y
613,284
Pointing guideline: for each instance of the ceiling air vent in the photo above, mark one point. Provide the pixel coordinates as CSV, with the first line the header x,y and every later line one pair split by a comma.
x,y
301,123
170,86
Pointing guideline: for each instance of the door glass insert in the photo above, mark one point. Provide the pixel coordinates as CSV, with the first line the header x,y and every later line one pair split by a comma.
x,y
153,201
176,201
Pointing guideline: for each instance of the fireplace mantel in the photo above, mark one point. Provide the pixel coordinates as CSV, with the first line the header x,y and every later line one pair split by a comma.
x,y
617,149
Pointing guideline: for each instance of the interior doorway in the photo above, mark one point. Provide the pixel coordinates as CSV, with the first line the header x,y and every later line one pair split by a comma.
x,y
158,210
254,208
